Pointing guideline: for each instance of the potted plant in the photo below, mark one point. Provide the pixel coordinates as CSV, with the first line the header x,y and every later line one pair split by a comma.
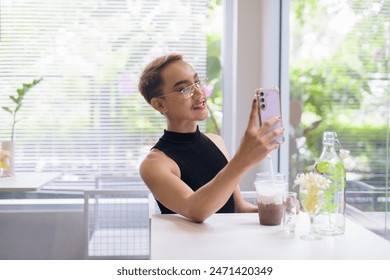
x,y
8,147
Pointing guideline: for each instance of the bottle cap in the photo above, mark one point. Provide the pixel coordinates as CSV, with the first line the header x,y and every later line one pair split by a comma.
x,y
329,137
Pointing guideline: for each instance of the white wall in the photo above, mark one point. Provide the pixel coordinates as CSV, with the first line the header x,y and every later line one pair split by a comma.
x,y
252,58
41,235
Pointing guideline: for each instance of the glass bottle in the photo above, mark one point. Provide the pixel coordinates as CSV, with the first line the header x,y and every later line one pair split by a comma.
x,y
331,218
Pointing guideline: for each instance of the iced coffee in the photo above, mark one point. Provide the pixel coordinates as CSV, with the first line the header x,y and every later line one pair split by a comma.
x,y
270,194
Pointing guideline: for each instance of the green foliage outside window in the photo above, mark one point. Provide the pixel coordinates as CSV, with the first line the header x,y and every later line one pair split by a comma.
x,y
345,89
214,102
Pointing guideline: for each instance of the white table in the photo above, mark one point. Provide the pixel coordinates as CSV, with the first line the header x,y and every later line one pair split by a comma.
x,y
25,182
240,236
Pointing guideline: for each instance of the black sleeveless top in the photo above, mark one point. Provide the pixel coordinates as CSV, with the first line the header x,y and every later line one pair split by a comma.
x,y
198,158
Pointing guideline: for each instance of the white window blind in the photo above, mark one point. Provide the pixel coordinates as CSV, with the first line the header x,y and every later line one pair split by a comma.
x,y
86,117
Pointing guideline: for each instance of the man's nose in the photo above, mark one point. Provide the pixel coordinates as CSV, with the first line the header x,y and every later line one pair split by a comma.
x,y
198,92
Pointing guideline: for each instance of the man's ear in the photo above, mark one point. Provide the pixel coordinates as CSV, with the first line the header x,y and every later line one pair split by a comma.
x,y
158,104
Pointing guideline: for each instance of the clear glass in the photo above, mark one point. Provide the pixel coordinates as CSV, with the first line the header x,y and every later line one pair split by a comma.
x,y
290,212
329,95
7,158
101,93
270,189
331,218
311,203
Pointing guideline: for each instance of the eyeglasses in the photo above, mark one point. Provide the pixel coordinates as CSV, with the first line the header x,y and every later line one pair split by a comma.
x,y
189,91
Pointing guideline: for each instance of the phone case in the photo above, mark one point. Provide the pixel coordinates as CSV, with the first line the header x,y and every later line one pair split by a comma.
x,y
269,107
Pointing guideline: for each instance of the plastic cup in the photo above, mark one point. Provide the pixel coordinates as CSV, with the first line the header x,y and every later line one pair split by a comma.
x,y
270,189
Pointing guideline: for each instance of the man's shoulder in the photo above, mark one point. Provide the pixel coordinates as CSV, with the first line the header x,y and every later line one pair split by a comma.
x,y
219,142
215,137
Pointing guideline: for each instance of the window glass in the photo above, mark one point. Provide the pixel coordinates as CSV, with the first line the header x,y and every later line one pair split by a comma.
x,y
339,81
86,117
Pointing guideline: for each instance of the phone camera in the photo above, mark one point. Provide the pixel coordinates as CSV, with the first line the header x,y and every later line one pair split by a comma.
x,y
261,93
262,106
262,99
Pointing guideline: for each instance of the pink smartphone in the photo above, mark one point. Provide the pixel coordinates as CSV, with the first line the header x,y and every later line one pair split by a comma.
x,y
269,107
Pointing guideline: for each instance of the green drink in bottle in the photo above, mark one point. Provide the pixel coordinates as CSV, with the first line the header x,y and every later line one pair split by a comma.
x,y
331,217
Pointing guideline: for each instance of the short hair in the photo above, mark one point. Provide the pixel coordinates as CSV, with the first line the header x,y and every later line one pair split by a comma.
x,y
151,81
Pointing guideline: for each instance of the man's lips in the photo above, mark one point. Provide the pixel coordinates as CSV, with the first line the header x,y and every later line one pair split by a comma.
x,y
200,105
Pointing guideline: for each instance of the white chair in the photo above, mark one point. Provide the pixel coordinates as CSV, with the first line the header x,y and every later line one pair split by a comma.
x,y
116,224
119,182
